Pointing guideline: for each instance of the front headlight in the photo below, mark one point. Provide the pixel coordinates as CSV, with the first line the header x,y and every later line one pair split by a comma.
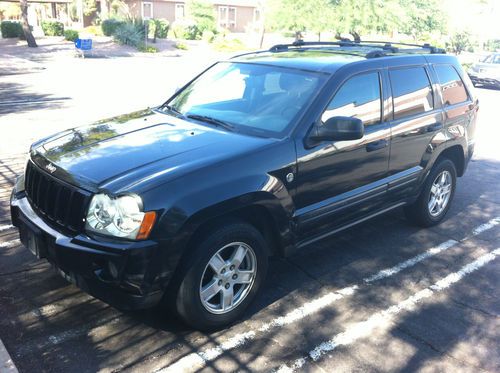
x,y
120,217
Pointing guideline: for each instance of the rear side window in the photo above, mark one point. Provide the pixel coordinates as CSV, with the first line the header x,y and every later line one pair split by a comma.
x,y
452,87
411,91
358,97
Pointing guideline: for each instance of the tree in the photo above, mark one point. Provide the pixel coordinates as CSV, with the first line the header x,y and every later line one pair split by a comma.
x,y
459,42
422,17
26,27
202,14
299,16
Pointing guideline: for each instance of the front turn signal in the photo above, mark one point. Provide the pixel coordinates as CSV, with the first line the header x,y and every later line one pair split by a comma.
x,y
147,224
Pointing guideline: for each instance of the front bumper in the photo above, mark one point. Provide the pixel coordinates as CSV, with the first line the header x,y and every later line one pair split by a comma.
x,y
477,78
121,274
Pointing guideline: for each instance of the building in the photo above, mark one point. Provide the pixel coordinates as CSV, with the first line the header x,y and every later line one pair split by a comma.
x,y
233,15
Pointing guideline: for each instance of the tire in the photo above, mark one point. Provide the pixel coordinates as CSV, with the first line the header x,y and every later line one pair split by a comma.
x,y
420,211
199,275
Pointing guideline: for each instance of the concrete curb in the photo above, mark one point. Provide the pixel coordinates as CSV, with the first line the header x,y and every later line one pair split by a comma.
x,y
6,363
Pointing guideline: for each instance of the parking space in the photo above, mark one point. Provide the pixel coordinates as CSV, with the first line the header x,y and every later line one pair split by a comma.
x,y
382,296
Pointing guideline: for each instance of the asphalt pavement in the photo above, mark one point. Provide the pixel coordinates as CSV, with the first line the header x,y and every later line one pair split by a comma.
x,y
382,296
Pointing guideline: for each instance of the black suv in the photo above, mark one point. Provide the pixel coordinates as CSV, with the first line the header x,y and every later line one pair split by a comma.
x,y
259,155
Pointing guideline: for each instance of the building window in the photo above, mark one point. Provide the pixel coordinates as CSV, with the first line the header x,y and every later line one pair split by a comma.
x,y
179,11
147,10
256,15
227,17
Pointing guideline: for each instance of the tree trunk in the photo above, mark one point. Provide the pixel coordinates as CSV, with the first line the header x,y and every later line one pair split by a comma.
x,y
26,27
104,10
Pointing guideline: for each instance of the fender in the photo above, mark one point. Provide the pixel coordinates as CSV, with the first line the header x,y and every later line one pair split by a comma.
x,y
454,135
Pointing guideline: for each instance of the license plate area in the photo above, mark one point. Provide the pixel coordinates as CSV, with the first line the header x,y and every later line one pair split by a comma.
x,y
32,241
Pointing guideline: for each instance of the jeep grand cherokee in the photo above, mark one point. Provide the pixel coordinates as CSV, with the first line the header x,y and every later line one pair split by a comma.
x,y
259,155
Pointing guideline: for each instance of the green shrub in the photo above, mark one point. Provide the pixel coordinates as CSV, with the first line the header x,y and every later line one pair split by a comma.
x,y
158,28
208,36
71,35
93,30
109,26
228,45
186,30
180,45
11,29
129,34
53,28
147,48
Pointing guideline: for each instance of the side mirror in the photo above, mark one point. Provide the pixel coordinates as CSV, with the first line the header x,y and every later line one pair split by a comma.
x,y
338,129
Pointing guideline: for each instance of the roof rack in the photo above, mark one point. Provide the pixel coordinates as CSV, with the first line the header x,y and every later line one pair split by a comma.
x,y
381,48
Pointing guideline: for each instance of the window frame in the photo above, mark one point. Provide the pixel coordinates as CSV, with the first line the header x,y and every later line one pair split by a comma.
x,y
226,21
431,86
150,3
438,81
179,6
343,82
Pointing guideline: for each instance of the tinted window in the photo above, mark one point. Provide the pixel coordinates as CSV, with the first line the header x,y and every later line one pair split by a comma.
x,y
411,91
452,87
359,97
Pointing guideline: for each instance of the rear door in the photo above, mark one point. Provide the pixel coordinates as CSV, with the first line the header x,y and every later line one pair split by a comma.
x,y
416,120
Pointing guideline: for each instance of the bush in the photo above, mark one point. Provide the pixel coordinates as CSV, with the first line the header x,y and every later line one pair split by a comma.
x,y
208,36
129,34
53,28
147,48
223,44
110,26
93,30
160,28
186,30
70,35
11,29
180,45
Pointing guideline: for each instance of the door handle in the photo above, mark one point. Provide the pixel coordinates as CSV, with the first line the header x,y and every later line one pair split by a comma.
x,y
435,127
379,144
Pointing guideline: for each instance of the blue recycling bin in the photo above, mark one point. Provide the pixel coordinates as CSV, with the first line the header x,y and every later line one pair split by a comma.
x,y
83,44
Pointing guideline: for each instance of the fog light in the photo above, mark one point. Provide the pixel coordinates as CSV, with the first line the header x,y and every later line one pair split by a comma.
x,y
113,269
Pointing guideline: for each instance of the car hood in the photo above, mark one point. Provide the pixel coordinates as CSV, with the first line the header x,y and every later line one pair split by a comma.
x,y
135,149
493,68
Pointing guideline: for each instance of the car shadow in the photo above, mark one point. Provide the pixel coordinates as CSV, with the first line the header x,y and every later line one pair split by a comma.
x,y
44,316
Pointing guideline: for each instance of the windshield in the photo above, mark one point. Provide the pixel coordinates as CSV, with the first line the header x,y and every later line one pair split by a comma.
x,y
251,97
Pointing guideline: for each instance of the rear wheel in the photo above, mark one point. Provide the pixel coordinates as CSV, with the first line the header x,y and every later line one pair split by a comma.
x,y
223,276
435,198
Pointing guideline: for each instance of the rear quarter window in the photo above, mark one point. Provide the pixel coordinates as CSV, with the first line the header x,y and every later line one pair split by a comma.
x,y
411,91
452,86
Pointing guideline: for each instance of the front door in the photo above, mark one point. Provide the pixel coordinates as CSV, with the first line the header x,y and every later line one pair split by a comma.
x,y
340,181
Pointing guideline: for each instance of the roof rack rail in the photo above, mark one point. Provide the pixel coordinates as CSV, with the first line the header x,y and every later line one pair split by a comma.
x,y
384,45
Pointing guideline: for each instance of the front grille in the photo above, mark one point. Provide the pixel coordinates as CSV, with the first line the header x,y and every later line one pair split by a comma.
x,y
55,201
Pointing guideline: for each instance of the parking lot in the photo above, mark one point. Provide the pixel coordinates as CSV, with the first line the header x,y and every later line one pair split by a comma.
x,y
382,296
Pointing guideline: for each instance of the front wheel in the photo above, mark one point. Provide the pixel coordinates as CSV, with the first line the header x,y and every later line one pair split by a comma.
x,y
223,276
435,198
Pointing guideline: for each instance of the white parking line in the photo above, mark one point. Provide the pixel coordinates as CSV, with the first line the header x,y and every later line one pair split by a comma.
x,y
198,360
9,244
384,318
6,227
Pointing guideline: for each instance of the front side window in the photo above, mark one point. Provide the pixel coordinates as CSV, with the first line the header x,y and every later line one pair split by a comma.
x,y
411,91
452,87
251,97
358,97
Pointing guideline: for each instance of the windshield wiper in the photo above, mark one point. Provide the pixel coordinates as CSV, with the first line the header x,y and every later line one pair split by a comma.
x,y
207,119
171,109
